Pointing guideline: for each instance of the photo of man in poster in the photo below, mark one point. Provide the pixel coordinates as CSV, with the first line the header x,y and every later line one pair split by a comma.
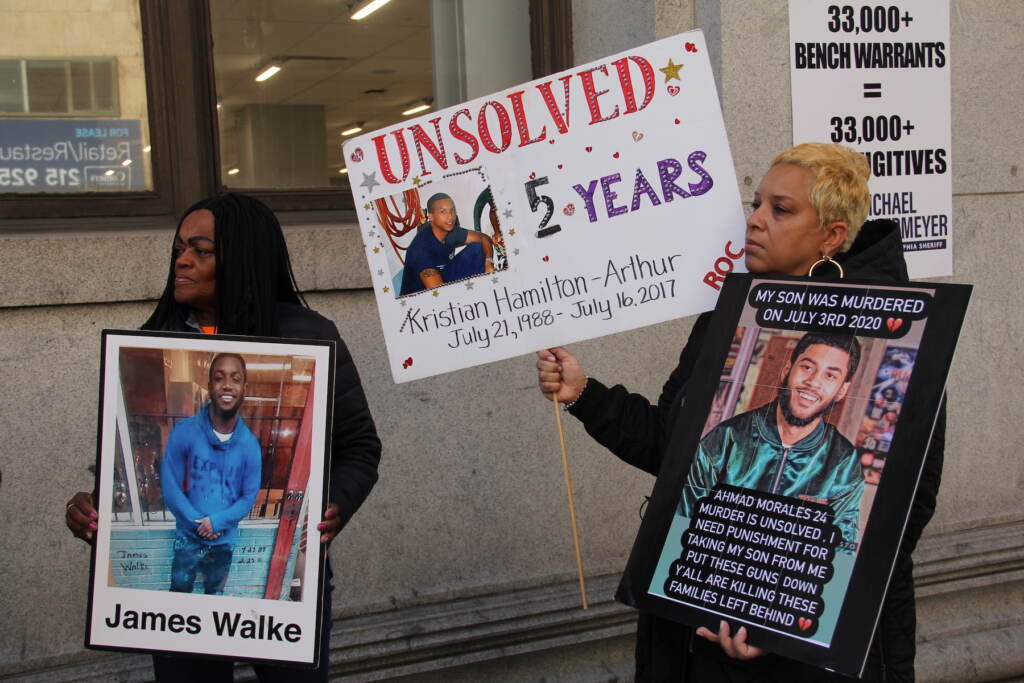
x,y
434,257
210,476
786,446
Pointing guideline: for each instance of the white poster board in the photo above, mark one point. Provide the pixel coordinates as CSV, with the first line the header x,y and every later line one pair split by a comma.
x,y
250,585
607,192
876,78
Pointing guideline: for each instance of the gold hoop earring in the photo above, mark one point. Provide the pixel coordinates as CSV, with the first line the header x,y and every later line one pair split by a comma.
x,y
825,258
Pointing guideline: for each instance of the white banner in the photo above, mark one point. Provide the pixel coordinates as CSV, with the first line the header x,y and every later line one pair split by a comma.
x,y
875,77
593,201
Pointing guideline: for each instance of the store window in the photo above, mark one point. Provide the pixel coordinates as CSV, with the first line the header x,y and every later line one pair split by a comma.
x,y
138,107
73,107
295,79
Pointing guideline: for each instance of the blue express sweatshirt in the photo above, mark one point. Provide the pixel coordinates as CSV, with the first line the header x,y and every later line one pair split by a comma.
x,y
204,477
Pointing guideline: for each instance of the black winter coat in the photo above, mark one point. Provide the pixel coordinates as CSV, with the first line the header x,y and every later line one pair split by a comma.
x,y
638,432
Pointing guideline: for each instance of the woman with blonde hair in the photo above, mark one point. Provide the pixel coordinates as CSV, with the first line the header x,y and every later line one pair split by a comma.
x,y
808,211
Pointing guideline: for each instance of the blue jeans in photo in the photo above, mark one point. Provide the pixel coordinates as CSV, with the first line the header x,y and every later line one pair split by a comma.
x,y
192,556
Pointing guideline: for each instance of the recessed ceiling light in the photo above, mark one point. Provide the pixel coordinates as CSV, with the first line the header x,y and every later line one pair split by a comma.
x,y
269,71
232,171
366,8
417,108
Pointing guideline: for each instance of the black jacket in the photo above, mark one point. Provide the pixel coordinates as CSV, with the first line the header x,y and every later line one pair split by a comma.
x,y
638,432
355,448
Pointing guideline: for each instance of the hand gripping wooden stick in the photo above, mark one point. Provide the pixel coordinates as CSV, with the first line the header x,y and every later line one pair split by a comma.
x,y
572,502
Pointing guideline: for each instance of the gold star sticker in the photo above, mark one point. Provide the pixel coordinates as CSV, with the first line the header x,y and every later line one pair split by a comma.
x,y
387,289
416,180
512,231
376,250
367,206
437,293
671,71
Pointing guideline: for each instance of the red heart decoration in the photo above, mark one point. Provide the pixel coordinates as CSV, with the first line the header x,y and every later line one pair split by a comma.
x,y
357,155
545,259
637,136
894,324
407,363
559,167
677,122
532,176
690,47
804,623
551,142
673,90
589,148
569,210
616,155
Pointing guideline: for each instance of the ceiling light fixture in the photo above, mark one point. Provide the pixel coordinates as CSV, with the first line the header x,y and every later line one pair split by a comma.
x,y
342,171
268,366
363,9
416,108
353,129
269,71
232,171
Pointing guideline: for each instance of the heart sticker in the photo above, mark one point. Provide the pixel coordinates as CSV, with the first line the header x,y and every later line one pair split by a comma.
x,y
677,122
407,363
589,148
894,323
804,623
357,155
559,167
637,136
616,155
690,47
673,90
569,209
545,259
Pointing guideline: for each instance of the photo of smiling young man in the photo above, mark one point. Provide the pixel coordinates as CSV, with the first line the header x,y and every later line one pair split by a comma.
x,y
210,476
787,446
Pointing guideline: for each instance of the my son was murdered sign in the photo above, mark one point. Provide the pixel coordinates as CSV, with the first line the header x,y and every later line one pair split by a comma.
x,y
210,480
789,477
593,201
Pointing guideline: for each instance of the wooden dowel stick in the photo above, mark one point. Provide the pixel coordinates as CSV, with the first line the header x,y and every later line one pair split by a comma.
x,y
572,503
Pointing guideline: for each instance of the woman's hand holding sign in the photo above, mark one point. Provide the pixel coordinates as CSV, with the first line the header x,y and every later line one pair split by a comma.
x,y
734,646
560,373
80,516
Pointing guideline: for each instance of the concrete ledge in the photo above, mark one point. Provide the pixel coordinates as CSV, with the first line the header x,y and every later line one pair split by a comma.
x,y
418,639
95,265
971,627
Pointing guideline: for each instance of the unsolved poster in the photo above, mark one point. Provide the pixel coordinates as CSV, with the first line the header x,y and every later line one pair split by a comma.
x,y
587,202
791,470
210,479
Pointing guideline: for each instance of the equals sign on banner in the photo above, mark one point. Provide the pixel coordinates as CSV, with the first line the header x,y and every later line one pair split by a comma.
x,y
872,90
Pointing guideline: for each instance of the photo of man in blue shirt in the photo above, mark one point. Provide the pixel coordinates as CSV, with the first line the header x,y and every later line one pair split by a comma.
x,y
433,257
210,476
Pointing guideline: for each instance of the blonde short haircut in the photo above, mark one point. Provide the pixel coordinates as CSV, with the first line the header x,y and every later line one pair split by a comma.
x,y
840,190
